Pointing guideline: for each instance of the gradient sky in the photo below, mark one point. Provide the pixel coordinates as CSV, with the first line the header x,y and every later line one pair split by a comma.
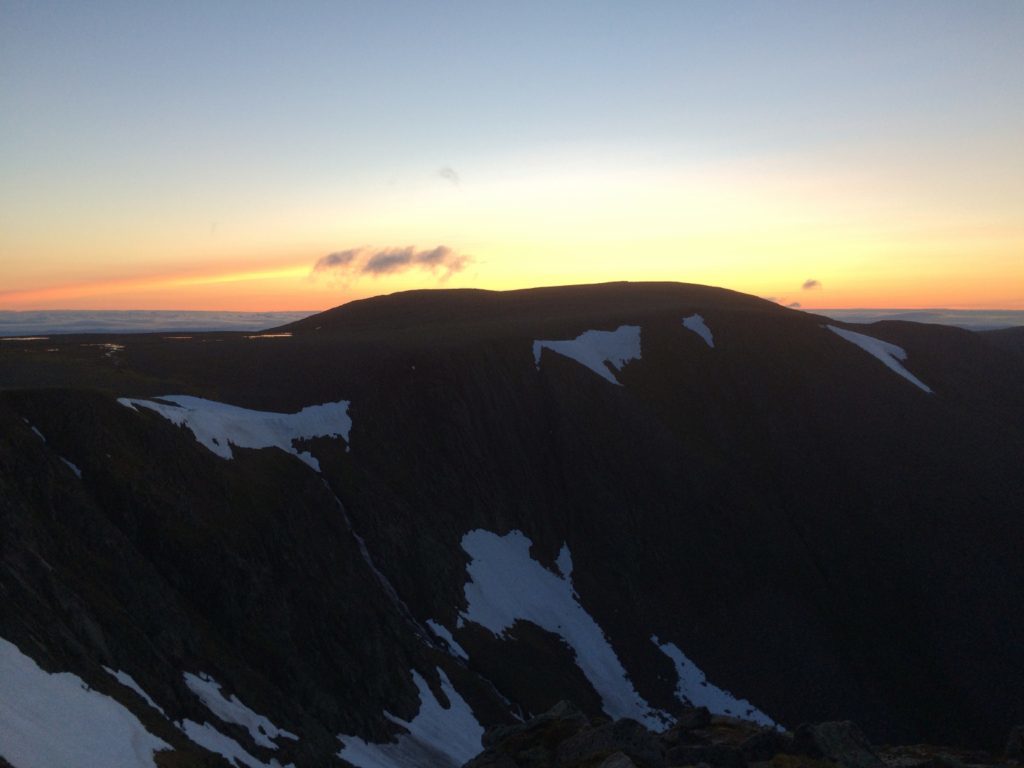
x,y
198,155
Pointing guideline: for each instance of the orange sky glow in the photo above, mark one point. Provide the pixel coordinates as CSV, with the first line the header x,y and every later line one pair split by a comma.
x,y
829,156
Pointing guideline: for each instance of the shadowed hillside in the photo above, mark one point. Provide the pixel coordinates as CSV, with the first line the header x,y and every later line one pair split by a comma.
x,y
632,496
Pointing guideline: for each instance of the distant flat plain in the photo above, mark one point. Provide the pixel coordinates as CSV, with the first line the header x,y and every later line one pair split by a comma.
x,y
43,322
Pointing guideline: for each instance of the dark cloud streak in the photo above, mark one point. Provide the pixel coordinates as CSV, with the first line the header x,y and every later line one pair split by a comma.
x,y
386,261
811,284
336,259
391,260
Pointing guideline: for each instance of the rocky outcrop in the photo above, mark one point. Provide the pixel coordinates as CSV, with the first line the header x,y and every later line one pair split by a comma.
x,y
840,742
564,738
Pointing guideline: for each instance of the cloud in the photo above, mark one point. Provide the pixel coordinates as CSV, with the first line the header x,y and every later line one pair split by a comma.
x,y
794,305
336,259
387,261
391,260
440,256
811,284
450,174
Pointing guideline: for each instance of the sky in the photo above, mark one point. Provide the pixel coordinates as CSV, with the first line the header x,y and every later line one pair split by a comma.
x,y
271,156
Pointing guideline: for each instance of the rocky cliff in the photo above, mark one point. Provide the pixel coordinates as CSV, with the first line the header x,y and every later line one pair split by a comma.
x,y
373,534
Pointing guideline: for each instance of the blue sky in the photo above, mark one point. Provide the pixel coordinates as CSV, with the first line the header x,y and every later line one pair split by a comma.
x,y
140,140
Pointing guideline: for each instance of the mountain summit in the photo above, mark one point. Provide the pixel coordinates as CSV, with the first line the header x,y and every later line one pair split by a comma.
x,y
368,536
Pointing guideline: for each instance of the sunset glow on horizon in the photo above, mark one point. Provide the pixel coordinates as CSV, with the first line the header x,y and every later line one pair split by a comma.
x,y
210,158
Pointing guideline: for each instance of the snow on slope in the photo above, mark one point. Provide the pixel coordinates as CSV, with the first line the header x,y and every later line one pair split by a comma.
x,y
207,736
234,711
73,467
889,354
129,682
436,738
507,585
693,688
596,348
696,324
443,632
218,426
49,720
564,561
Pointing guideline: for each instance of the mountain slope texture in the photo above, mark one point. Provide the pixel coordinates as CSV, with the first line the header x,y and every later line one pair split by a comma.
x,y
368,537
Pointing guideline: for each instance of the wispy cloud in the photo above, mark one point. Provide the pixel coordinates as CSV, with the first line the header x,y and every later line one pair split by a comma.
x,y
336,259
811,285
386,261
450,174
794,305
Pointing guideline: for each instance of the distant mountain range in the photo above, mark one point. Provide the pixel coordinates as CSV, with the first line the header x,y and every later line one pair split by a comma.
x,y
36,322
971,319
370,535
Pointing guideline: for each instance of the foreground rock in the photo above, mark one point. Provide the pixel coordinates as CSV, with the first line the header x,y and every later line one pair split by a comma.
x,y
841,742
566,738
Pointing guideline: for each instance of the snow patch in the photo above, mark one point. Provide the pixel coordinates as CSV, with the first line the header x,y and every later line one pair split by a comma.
x,y
210,738
234,711
564,561
129,682
51,720
442,632
74,468
696,324
218,426
507,585
109,349
597,349
436,738
694,689
889,354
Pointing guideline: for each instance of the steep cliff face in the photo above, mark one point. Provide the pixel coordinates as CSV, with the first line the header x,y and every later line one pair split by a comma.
x,y
631,496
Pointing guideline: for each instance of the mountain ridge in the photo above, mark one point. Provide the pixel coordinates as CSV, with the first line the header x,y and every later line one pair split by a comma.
x,y
821,536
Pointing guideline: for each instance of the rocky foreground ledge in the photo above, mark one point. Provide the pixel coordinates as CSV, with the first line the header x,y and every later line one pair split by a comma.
x,y
566,738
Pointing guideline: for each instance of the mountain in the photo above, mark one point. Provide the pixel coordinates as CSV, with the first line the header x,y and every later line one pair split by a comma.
x,y
379,530
1011,339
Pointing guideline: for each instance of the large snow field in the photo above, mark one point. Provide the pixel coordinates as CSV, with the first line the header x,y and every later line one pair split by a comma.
x,y
218,426
597,349
49,720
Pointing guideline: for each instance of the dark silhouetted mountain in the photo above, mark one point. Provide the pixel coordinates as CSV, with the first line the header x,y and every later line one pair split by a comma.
x,y
471,505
